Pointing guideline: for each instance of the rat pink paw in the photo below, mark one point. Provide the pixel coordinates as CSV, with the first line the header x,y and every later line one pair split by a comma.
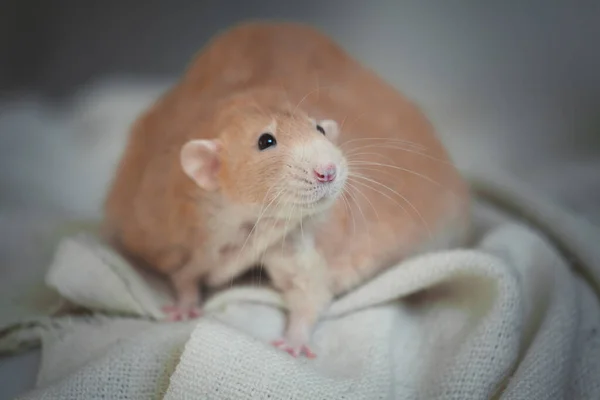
x,y
294,351
177,313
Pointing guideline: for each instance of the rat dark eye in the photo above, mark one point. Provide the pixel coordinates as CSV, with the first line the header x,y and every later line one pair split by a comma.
x,y
265,141
320,129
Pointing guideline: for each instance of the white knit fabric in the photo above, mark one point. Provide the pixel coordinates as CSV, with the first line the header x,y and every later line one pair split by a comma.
x,y
516,316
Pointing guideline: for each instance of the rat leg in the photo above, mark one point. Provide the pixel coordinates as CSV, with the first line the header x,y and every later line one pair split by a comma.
x,y
186,283
305,305
300,276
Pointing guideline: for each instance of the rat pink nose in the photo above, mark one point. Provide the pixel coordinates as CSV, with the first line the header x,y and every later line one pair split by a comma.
x,y
326,173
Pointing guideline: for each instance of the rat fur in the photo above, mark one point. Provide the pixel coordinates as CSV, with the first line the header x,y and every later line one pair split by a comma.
x,y
356,181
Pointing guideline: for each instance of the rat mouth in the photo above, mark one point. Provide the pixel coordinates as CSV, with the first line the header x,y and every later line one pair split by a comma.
x,y
316,198
308,193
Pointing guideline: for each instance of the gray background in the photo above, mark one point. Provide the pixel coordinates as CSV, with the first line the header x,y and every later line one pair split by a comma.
x,y
511,85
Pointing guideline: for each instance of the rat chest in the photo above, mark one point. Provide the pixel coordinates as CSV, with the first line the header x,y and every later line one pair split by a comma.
x,y
239,244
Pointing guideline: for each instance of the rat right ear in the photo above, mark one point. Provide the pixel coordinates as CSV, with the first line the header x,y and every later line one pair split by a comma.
x,y
200,161
332,129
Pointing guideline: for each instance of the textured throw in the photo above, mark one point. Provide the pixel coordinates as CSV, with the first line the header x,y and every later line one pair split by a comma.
x,y
515,316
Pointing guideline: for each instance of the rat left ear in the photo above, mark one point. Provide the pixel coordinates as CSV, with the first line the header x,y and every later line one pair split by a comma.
x,y
332,130
200,161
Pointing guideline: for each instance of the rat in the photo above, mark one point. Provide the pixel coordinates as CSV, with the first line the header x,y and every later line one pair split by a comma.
x,y
276,147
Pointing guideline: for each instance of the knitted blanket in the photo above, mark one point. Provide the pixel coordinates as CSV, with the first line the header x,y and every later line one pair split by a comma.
x,y
514,316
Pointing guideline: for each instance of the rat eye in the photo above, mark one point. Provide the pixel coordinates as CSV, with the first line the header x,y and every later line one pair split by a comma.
x,y
265,141
320,129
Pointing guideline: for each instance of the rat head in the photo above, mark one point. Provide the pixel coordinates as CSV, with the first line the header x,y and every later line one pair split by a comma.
x,y
283,163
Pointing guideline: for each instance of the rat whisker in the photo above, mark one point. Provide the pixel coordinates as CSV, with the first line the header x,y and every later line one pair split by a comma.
x,y
260,216
285,229
367,199
250,234
363,215
387,140
349,209
359,116
301,213
353,159
378,191
418,213
302,100
387,146
301,229
374,169
308,94
371,163
260,254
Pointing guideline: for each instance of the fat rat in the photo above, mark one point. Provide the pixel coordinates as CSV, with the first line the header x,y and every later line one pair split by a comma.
x,y
278,148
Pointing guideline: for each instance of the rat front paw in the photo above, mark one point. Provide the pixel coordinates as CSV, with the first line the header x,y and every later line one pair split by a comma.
x,y
293,350
181,313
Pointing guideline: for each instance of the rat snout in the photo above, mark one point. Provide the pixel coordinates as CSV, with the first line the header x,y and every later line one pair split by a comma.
x,y
326,173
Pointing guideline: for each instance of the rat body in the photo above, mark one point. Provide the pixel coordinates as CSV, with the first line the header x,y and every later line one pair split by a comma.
x,y
277,148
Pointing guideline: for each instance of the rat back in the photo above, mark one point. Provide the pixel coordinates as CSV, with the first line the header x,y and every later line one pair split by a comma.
x,y
403,192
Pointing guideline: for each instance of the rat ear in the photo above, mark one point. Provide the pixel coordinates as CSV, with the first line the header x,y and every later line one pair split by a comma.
x,y
332,130
200,161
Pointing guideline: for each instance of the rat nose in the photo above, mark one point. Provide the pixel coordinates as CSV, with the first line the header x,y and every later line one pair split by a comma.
x,y
325,173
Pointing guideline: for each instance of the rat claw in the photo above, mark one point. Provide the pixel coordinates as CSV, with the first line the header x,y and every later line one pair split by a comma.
x,y
176,313
194,313
294,351
308,352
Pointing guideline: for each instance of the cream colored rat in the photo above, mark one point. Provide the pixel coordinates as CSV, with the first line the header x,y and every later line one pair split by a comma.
x,y
277,148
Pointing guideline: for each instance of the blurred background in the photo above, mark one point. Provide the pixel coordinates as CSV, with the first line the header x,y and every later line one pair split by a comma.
x,y
511,85
508,83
